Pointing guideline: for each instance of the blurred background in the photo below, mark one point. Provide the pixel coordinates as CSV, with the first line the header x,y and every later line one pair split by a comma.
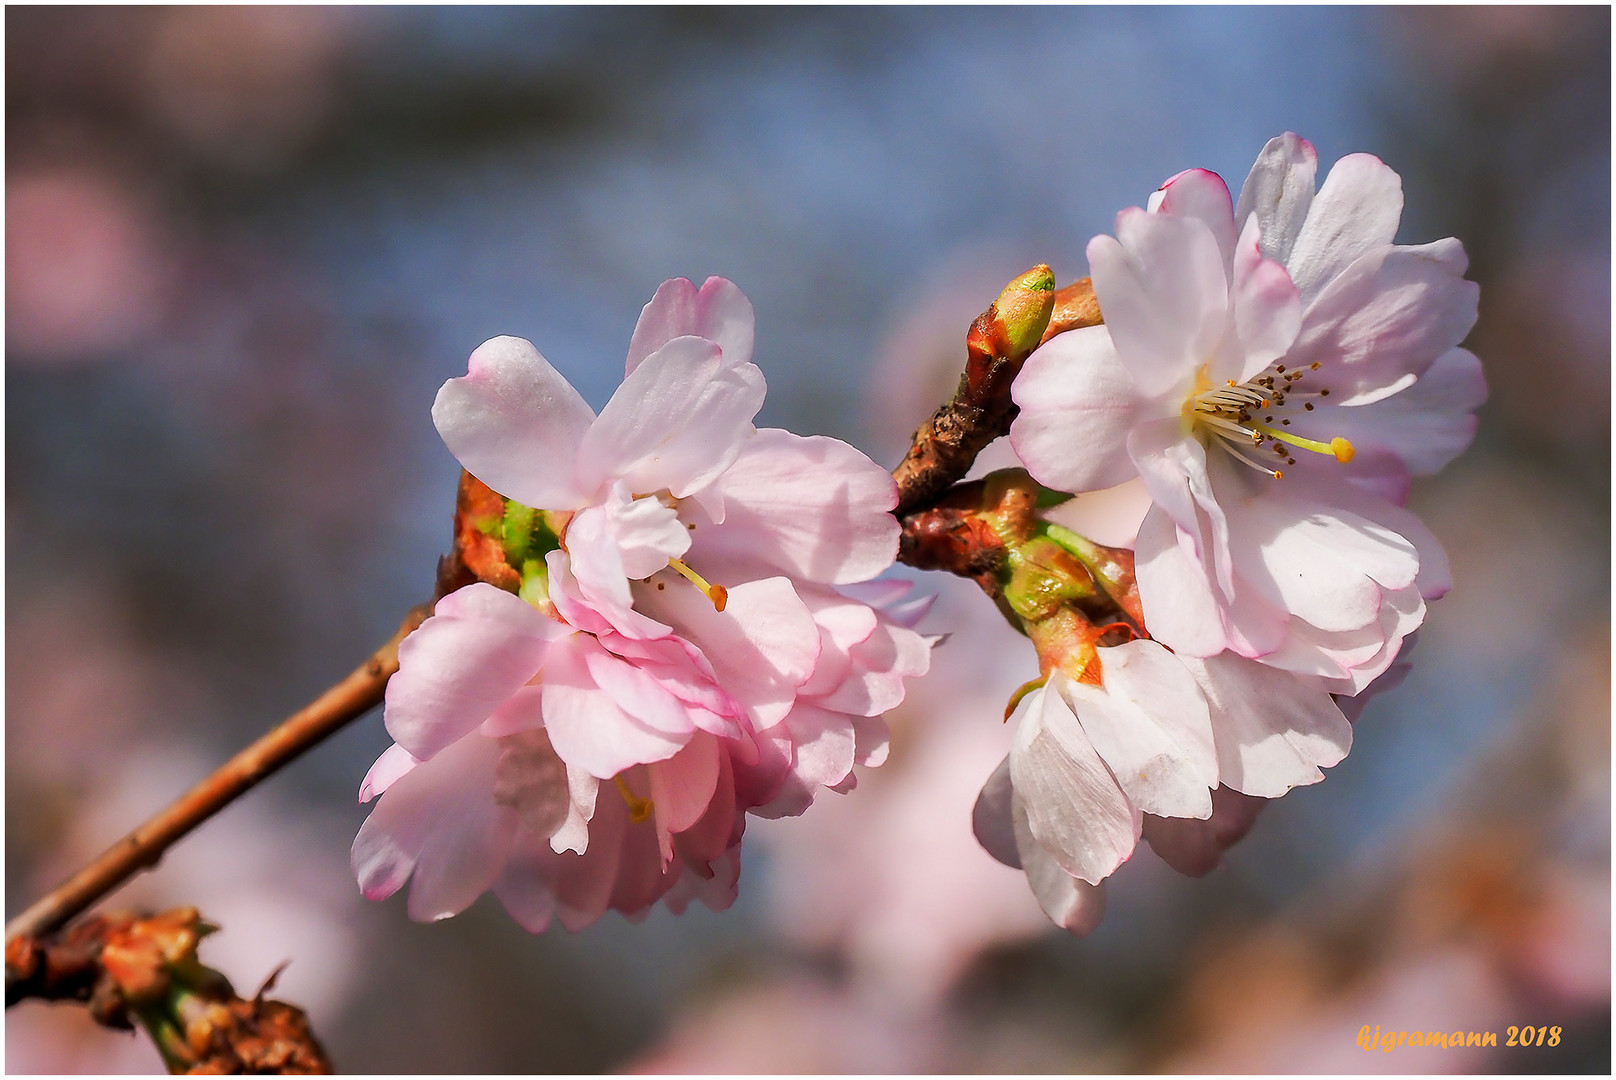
x,y
244,247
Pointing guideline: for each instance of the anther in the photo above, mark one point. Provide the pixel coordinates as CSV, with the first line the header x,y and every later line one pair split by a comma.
x,y
638,809
716,593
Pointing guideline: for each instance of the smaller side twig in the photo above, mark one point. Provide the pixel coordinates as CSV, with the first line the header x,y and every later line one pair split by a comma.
x,y
145,969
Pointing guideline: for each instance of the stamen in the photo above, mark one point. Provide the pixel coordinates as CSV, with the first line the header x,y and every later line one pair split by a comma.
x,y
1339,448
638,809
716,593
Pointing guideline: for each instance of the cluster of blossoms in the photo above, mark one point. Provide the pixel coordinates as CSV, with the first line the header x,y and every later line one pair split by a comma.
x,y
1273,373
686,628
694,635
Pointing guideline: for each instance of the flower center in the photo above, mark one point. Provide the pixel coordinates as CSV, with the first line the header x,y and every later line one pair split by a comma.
x,y
1249,416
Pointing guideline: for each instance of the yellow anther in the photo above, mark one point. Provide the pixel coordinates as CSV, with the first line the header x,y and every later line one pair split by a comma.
x,y
716,593
1344,451
638,809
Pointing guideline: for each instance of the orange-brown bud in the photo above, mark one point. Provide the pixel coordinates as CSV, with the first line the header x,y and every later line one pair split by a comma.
x,y
1075,307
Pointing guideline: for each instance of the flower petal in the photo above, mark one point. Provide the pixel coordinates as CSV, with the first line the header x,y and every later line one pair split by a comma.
x,y
763,645
677,421
1071,904
1179,604
682,787
440,823
1074,807
719,312
1164,295
1267,307
1195,847
1356,210
1386,319
1149,724
1273,730
1279,191
586,726
1078,403
515,424
476,650
394,762
990,817
815,508
1201,194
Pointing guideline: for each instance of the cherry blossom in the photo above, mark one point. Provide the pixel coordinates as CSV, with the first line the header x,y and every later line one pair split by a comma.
x,y
1275,373
1179,750
695,636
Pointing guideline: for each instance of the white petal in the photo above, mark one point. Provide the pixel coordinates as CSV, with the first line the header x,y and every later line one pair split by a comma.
x,y
1164,295
1279,191
1201,194
1356,210
1150,725
515,424
1077,403
1273,730
1267,308
1386,319
1074,807
676,423
1071,904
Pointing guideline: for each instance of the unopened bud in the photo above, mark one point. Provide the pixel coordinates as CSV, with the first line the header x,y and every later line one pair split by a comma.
x,y
1044,577
1023,309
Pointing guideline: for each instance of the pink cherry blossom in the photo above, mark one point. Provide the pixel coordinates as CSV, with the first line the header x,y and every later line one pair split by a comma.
x,y
1179,750
698,640
1274,374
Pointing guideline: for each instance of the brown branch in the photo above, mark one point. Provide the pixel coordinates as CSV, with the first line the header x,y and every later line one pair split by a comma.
x,y
132,969
349,699
999,342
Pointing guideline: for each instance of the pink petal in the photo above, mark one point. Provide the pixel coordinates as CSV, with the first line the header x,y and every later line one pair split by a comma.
x,y
1356,210
872,741
719,827
587,728
844,624
1279,191
480,646
1174,466
1267,308
515,424
394,763
990,817
530,779
647,532
1196,847
525,889
880,664
1164,295
682,787
763,645
1273,730
815,508
1200,194
522,711
677,421
1385,319
1070,903
1078,403
719,312
636,691
1075,809
600,611
441,823
1149,724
